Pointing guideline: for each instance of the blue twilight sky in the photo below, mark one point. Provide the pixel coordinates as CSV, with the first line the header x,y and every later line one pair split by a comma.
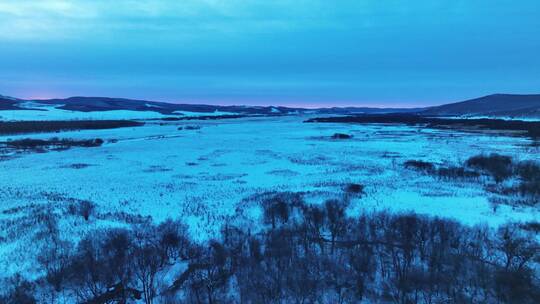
x,y
287,52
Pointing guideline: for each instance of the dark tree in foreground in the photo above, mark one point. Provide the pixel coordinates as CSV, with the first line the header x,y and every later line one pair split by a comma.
x,y
302,254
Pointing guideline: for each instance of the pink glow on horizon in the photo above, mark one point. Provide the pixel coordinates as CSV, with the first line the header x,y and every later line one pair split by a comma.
x,y
41,95
297,104
346,105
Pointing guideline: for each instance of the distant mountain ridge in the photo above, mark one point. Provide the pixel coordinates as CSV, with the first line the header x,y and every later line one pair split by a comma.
x,y
91,104
8,103
496,105
514,105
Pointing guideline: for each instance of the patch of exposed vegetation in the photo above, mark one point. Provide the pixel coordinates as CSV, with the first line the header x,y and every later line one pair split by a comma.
x,y
529,128
353,188
77,166
283,173
455,172
157,168
55,143
447,173
20,127
206,117
82,208
498,166
420,165
531,226
524,176
195,127
341,136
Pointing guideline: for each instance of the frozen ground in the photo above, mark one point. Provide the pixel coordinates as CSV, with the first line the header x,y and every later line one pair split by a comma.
x,y
38,111
201,176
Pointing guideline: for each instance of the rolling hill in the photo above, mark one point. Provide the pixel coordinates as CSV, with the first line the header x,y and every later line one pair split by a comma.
x,y
497,105
511,105
94,104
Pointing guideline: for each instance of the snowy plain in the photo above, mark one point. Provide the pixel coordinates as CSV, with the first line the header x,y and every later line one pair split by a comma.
x,y
37,111
204,176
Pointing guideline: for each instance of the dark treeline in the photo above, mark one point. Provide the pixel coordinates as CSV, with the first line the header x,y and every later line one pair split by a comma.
x,y
19,127
531,128
303,253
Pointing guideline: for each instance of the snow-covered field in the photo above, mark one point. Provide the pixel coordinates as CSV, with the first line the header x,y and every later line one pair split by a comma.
x,y
37,111
201,176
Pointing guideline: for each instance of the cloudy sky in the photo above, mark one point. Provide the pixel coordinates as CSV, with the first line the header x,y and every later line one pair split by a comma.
x,y
289,52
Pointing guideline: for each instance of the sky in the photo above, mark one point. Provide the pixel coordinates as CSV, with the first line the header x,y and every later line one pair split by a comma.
x,y
310,53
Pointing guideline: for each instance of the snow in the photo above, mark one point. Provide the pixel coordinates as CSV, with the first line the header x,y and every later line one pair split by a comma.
x,y
201,176
8,97
215,113
39,111
47,112
524,118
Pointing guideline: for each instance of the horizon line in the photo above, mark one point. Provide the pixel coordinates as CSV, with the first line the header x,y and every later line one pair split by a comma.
x,y
298,106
